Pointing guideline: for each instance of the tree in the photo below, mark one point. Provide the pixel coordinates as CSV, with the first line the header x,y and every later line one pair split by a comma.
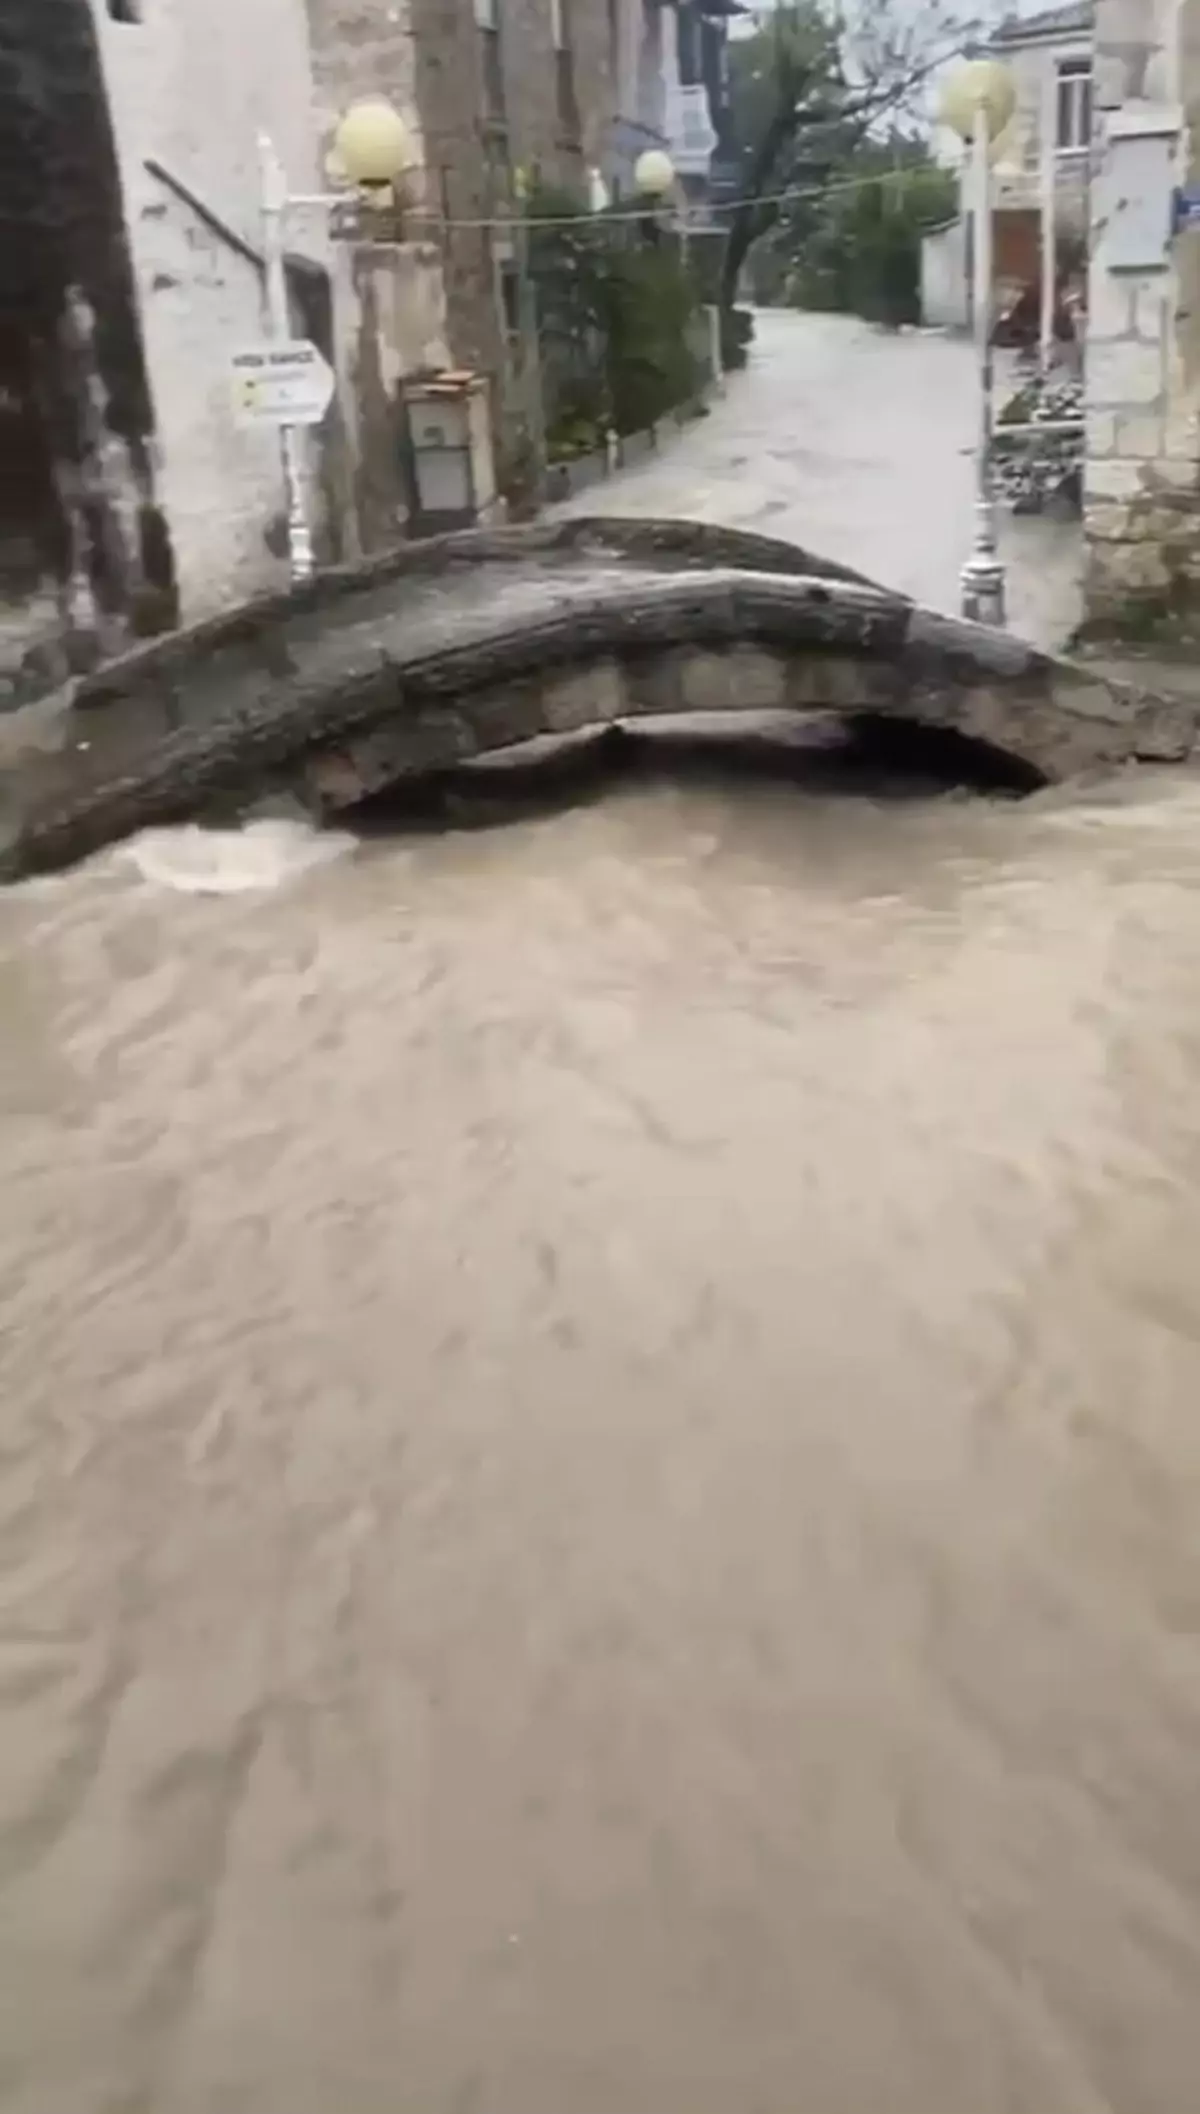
x,y
812,86
613,316
858,248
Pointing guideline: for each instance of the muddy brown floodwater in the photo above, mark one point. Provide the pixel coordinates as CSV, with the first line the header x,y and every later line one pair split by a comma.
x,y
600,1466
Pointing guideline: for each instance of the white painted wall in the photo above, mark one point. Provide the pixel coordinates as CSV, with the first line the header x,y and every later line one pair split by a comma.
x,y
1018,157
190,86
945,296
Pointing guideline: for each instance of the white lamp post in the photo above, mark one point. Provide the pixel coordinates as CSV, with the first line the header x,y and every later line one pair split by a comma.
x,y
371,151
978,104
654,182
1047,334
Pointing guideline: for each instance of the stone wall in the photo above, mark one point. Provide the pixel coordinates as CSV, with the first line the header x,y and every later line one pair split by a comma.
x,y
1142,505
536,130
79,528
475,161
390,315
425,55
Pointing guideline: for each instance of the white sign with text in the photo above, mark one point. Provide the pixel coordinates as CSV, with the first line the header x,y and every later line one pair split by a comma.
x,y
284,383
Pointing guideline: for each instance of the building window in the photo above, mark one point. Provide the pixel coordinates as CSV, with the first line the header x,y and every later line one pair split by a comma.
x,y
510,298
497,172
1074,106
687,30
564,69
487,20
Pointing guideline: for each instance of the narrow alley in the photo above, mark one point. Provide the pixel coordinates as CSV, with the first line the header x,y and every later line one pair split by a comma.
x,y
857,443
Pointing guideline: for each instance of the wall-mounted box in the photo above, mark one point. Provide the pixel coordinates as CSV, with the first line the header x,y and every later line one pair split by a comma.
x,y
450,437
1135,188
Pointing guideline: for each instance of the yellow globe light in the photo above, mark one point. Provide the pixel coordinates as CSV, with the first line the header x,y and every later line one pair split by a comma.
x,y
981,85
654,173
371,145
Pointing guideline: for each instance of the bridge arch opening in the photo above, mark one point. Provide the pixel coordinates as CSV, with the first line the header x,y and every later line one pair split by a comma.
x,y
943,753
409,671
864,758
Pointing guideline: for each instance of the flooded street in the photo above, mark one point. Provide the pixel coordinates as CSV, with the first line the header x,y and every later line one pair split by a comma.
x,y
858,444
598,1478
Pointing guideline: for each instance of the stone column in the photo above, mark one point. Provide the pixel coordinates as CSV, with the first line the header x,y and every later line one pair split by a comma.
x,y
1142,489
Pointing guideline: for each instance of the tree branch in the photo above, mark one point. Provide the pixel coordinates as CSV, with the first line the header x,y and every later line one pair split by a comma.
x,y
812,93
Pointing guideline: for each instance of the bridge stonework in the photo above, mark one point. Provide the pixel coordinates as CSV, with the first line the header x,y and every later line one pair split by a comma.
x,y
457,648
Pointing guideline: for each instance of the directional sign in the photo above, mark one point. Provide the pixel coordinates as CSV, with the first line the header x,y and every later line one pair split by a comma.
x,y
284,383
1185,208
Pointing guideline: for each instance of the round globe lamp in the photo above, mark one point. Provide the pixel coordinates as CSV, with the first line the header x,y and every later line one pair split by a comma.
x,y
371,145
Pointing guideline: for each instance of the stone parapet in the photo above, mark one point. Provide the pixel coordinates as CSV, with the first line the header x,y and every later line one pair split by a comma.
x,y
399,670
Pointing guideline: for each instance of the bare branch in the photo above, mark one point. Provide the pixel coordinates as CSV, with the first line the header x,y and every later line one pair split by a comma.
x,y
820,71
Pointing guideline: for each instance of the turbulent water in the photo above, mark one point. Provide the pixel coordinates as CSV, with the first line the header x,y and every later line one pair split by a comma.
x,y
599,1466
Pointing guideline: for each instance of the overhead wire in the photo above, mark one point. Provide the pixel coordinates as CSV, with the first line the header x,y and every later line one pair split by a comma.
x,y
611,215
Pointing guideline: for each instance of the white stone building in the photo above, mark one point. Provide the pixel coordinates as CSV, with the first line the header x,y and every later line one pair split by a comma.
x,y
1049,56
190,85
1142,509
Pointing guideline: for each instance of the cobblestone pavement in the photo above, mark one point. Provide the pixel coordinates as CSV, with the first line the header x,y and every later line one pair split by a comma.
x,y
856,442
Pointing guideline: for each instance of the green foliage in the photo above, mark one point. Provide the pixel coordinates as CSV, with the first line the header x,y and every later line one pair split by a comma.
x,y
615,308
792,62
737,331
859,249
815,92
651,368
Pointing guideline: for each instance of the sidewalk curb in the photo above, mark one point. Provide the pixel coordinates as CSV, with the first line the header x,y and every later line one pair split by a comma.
x,y
566,480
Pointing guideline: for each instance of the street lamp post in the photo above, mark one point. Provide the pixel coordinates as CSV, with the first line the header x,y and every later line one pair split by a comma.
x,y
274,204
1048,172
370,150
978,104
654,181
530,375
654,174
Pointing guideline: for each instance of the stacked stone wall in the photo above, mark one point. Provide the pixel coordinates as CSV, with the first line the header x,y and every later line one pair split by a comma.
x,y
1142,504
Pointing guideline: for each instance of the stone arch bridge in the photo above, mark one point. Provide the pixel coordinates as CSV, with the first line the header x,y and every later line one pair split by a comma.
x,y
438,652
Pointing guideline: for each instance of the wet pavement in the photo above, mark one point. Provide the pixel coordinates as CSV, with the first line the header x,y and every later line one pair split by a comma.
x,y
857,443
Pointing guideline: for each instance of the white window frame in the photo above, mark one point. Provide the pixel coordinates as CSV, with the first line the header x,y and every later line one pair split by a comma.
x,y
1073,82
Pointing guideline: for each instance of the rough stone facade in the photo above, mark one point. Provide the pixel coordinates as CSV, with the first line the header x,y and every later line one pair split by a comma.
x,y
535,129
389,291
80,538
427,56
1143,363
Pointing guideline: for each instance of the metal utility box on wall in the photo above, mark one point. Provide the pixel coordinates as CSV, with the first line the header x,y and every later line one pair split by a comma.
x,y
1135,189
450,438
